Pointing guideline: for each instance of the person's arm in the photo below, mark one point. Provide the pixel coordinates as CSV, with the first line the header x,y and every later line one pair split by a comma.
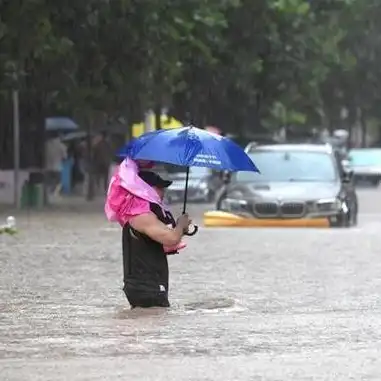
x,y
151,226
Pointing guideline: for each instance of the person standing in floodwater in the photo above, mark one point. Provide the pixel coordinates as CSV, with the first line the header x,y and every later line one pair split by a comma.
x,y
145,264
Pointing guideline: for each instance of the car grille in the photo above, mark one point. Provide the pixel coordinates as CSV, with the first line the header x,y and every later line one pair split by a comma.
x,y
292,209
285,210
266,209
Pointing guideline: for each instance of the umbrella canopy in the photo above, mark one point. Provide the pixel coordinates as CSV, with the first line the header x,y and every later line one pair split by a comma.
x,y
187,147
60,124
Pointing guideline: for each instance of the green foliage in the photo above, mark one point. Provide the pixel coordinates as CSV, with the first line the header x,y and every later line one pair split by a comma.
x,y
240,64
7,230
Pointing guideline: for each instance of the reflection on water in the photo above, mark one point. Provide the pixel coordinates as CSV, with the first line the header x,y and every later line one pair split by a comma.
x,y
277,302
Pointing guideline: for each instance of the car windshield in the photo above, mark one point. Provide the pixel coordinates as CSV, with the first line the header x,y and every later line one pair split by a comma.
x,y
285,166
364,157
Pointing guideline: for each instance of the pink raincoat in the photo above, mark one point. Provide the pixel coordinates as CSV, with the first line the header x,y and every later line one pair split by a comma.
x,y
128,196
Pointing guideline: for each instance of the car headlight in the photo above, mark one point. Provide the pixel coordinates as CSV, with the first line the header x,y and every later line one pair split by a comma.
x,y
328,205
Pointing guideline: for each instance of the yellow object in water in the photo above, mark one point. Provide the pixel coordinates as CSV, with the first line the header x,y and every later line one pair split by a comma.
x,y
223,219
167,123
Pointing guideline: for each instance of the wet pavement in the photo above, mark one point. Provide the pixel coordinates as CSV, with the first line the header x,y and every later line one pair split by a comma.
x,y
248,304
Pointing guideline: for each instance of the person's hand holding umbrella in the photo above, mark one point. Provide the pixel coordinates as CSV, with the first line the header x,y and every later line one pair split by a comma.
x,y
184,221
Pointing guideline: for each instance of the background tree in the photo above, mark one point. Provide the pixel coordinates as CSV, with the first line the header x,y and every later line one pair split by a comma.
x,y
244,65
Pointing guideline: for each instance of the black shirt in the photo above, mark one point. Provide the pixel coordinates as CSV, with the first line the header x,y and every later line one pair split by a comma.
x,y
145,262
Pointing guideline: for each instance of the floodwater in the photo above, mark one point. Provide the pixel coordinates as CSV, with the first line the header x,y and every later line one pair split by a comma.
x,y
259,304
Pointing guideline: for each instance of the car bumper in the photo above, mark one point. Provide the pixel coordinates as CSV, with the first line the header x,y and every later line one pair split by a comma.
x,y
224,219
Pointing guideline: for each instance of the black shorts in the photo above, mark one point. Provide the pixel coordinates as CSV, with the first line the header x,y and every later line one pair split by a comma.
x,y
146,300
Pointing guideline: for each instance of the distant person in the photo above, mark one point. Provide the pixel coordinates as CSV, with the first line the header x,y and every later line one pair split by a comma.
x,y
102,155
145,237
55,154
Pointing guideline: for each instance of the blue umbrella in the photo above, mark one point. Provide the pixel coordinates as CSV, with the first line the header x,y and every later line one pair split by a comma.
x,y
189,147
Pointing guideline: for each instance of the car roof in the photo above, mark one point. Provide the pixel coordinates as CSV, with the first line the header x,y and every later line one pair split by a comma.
x,y
323,148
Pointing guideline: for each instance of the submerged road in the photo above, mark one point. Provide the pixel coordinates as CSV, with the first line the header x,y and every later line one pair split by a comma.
x,y
259,304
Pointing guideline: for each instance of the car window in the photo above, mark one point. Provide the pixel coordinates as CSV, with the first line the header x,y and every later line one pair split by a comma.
x,y
284,166
363,157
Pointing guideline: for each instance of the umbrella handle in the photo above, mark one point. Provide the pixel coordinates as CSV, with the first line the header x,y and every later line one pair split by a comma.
x,y
193,232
